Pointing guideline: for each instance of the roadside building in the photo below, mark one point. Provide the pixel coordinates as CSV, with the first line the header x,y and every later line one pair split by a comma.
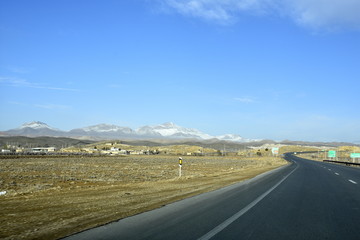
x,y
43,150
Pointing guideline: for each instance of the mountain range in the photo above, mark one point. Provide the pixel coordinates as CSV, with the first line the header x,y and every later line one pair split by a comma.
x,y
167,130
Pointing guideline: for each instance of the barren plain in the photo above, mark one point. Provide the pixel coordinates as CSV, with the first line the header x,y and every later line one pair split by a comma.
x,y
52,197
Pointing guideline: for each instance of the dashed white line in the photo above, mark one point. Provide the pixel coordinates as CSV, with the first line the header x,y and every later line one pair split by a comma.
x,y
336,174
352,181
230,220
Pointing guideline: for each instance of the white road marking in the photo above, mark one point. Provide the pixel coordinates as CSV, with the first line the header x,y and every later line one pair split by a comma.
x,y
329,169
352,181
230,220
336,173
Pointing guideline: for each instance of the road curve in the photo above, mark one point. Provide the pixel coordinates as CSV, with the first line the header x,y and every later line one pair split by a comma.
x,y
303,200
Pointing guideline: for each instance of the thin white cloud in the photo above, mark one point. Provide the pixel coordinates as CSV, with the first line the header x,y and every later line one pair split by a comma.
x,y
43,106
18,103
314,14
57,88
244,99
220,11
14,82
18,82
209,10
328,14
16,69
51,106
114,85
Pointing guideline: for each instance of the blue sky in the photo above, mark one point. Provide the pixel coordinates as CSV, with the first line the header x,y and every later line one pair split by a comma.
x,y
258,68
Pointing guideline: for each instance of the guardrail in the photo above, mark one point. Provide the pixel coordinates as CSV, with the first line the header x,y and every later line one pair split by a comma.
x,y
347,163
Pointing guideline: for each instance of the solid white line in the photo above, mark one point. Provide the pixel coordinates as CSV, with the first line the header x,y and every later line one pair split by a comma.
x,y
230,220
352,181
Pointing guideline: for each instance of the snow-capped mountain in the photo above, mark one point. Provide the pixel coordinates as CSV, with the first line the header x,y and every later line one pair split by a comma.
x,y
107,128
109,131
36,128
171,130
36,125
231,137
103,130
236,138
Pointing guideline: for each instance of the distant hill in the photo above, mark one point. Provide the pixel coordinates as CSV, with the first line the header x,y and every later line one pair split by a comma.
x,y
318,144
162,134
34,129
227,146
31,142
109,131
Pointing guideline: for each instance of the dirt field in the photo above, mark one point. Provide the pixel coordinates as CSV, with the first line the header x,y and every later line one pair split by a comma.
x,y
49,198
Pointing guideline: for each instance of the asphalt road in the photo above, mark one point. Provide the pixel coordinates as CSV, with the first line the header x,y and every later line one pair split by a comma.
x,y
304,200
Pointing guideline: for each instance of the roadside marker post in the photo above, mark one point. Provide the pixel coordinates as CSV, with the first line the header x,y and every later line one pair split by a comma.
x,y
180,166
354,156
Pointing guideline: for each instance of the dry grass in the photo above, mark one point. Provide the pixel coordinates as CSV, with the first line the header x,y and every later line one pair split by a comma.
x,y
285,149
49,198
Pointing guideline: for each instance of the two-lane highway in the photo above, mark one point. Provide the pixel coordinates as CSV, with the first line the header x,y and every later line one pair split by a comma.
x,y
318,201
304,200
